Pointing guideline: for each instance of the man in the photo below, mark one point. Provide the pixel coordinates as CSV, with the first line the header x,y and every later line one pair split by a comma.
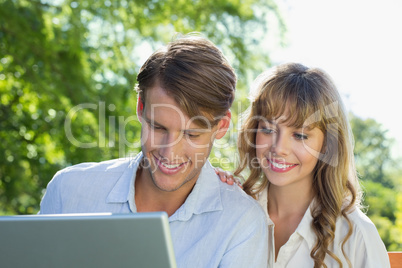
x,y
185,93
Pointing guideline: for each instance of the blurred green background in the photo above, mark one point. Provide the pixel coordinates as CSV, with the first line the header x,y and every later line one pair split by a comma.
x,y
71,65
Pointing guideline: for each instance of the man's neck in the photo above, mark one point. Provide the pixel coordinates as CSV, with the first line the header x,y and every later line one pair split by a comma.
x,y
149,198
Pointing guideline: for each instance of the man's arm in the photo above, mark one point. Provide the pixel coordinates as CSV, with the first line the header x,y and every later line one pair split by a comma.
x,y
51,201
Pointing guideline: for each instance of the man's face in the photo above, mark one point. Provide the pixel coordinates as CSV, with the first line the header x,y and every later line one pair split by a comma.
x,y
175,148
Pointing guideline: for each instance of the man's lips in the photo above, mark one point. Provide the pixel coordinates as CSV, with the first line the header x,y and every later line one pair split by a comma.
x,y
280,166
169,168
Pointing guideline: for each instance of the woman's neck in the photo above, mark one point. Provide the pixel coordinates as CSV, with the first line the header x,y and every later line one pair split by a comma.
x,y
285,201
286,208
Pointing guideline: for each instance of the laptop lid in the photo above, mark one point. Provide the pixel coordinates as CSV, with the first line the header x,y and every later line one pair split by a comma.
x,y
86,240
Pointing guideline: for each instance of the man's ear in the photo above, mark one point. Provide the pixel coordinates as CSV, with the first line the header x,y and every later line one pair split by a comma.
x,y
140,108
223,125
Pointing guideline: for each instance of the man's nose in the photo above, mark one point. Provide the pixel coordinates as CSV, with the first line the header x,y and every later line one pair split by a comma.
x,y
171,146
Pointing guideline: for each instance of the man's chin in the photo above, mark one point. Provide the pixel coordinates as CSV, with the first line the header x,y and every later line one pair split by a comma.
x,y
167,187
169,183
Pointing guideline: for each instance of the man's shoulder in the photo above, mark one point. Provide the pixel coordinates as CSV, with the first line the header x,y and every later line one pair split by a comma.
x,y
114,165
94,170
231,197
241,211
237,198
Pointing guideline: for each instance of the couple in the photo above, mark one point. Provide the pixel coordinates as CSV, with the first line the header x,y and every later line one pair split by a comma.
x,y
295,142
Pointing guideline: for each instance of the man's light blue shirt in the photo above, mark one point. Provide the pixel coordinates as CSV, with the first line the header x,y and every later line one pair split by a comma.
x,y
217,226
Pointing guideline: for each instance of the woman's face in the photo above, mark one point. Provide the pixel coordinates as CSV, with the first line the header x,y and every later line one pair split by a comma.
x,y
287,155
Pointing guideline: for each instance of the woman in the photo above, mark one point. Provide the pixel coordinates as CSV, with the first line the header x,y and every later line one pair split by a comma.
x,y
297,144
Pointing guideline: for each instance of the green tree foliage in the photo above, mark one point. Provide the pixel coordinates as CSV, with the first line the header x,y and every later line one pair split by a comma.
x,y
380,178
373,150
67,72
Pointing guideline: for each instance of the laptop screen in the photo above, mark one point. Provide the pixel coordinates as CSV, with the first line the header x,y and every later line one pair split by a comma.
x,y
86,240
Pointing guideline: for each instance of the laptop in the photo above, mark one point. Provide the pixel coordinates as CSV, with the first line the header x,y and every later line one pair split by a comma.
x,y
86,240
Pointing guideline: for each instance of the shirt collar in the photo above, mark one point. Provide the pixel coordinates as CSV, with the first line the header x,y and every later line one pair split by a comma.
x,y
263,201
205,196
305,228
123,190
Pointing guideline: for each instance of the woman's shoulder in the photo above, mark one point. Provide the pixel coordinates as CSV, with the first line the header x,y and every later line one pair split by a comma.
x,y
365,235
362,223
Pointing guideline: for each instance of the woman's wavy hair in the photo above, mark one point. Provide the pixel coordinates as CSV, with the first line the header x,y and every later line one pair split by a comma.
x,y
308,97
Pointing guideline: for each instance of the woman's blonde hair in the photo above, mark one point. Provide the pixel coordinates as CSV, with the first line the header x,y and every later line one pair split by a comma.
x,y
308,97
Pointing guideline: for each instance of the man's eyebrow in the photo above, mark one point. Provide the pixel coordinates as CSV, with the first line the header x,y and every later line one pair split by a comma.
x,y
153,122
198,129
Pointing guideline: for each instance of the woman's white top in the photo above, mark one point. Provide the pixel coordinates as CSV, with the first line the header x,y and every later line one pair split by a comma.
x,y
364,248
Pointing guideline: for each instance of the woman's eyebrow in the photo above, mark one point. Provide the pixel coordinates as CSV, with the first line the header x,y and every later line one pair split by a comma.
x,y
269,121
308,127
